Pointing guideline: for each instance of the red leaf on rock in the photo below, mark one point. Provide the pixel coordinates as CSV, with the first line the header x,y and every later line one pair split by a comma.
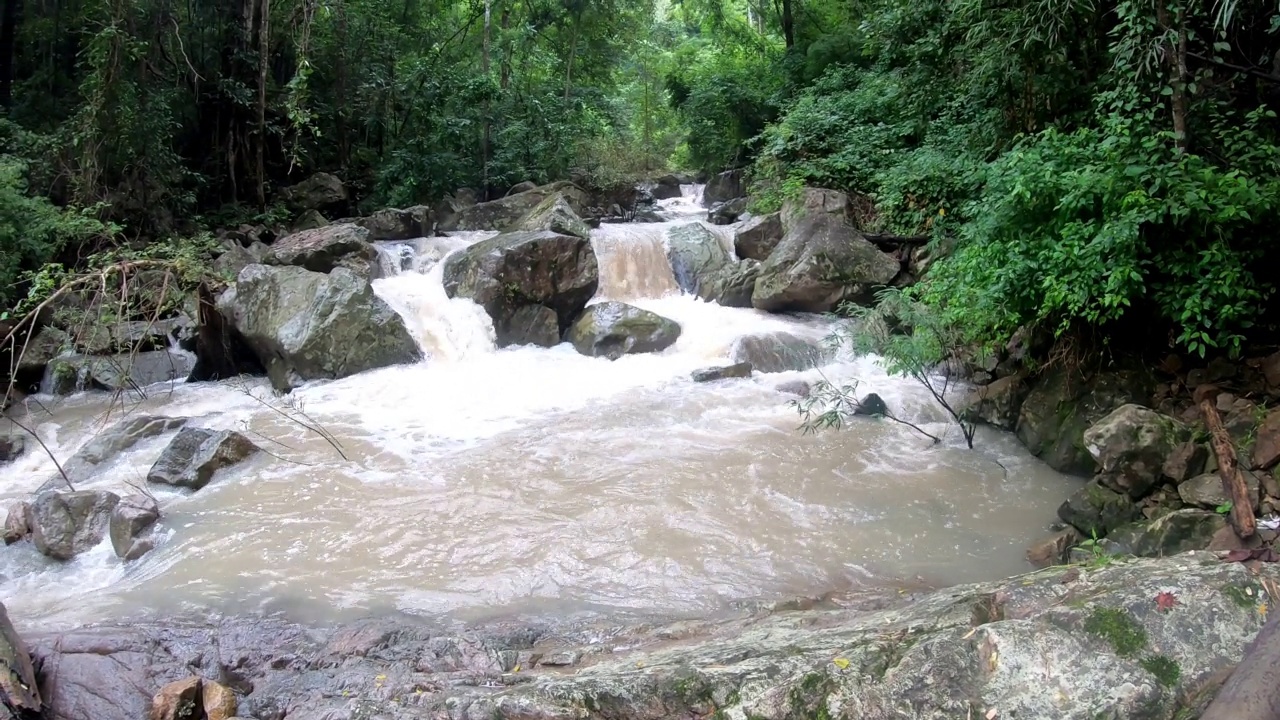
x,y
1165,601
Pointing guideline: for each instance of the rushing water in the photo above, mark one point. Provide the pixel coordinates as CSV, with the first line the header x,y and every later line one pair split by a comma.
x,y
529,480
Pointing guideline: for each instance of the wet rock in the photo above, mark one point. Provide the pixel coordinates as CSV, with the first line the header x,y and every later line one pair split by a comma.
x,y
64,525
728,212
613,329
794,387
821,260
304,325
731,285
398,224
309,220
71,373
195,454
695,255
777,352
1266,447
737,370
520,187
1186,461
131,517
109,443
323,249
218,700
757,237
11,447
666,188
1096,509
1131,445
531,325
871,405
180,700
942,655
553,214
321,191
997,403
44,346
1061,405
1177,532
15,522
19,693
503,214
723,187
515,270
1054,549
1206,490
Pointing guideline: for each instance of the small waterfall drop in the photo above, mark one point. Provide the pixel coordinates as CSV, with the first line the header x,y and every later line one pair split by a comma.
x,y
633,261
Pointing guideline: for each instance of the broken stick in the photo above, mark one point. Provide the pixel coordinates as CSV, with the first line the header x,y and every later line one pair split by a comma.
x,y
1228,466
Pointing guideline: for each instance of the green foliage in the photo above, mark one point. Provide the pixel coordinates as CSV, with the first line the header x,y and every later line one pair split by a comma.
x,y
1164,668
1118,628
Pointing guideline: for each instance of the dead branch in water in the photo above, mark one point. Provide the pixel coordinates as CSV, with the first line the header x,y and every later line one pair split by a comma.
x,y
297,416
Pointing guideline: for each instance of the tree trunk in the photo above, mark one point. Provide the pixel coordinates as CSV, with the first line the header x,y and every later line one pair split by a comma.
x,y
788,24
8,33
1176,63
264,47
488,125
1228,469
505,25
573,52
1252,693
340,89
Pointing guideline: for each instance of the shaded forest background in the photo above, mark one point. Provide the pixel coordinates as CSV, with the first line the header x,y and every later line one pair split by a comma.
x,y
1104,168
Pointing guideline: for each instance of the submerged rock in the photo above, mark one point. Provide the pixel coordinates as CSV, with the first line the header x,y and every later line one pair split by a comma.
x,y
613,329
516,270
195,454
131,517
821,260
777,351
109,443
1131,445
737,370
871,404
304,325
64,525
1097,637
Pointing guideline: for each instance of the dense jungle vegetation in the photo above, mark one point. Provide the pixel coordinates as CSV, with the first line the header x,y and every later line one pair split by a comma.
x,y
1106,167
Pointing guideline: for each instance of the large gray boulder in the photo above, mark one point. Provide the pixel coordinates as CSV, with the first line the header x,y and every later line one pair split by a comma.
x,y
305,325
696,255
1131,445
821,260
1062,404
613,329
723,187
318,192
1148,639
195,454
64,525
731,285
757,237
554,213
325,248
132,517
125,371
507,273
107,444
43,347
502,214
777,351
399,224
666,187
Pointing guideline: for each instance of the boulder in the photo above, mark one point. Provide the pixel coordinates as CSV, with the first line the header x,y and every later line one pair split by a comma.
x,y
11,447
42,348
757,237
305,325
179,700
777,351
613,329
737,370
997,403
871,405
666,188
695,255
728,212
502,214
1131,445
1074,644
799,388
723,187
530,325
219,701
19,691
321,191
1266,447
1097,509
821,260
515,270
15,522
323,249
398,224
107,444
1176,532
731,285
126,371
195,454
1054,549
131,517
64,525
1206,491
308,220
1061,405
520,187
1186,461
556,215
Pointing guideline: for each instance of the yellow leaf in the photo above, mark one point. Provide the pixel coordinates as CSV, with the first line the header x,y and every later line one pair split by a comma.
x,y
1262,609
841,663
969,634
995,660
515,669
991,713
942,211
